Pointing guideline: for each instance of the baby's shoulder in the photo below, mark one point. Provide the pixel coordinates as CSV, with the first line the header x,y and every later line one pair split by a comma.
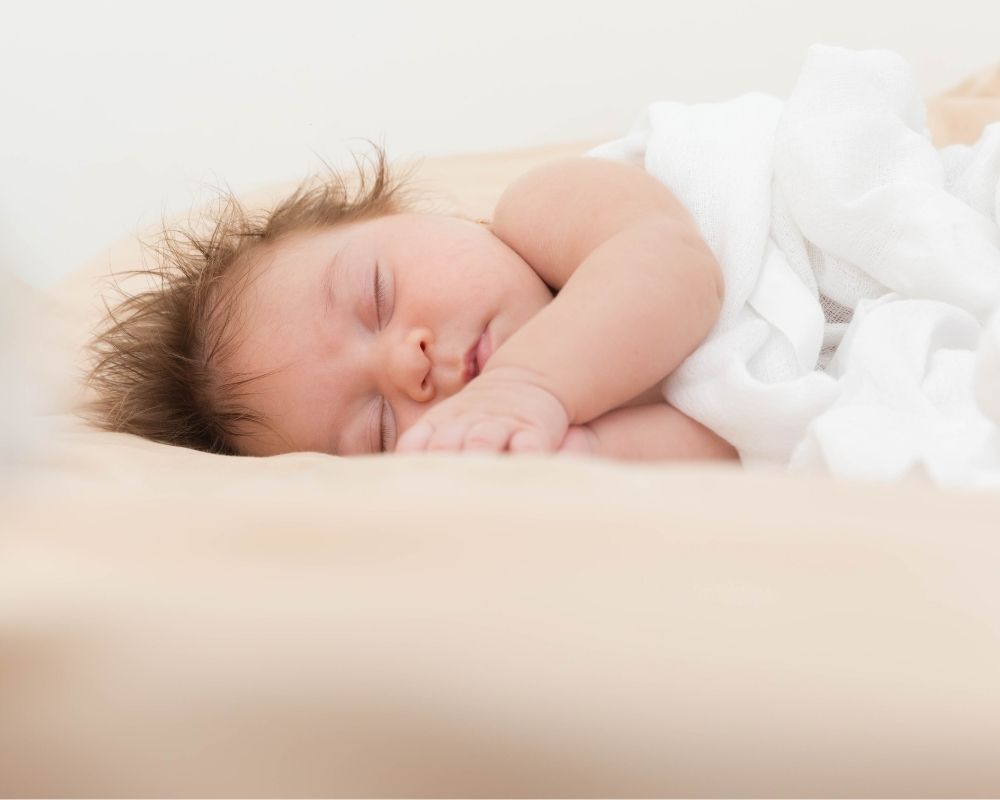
x,y
558,213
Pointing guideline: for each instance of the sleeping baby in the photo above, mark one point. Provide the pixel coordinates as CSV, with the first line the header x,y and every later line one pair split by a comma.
x,y
344,322
858,333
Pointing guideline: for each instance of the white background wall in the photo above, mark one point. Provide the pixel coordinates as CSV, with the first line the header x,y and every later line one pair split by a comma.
x,y
114,114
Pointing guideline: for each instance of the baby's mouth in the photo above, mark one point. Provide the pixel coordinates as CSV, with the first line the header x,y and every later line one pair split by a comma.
x,y
472,361
484,349
476,356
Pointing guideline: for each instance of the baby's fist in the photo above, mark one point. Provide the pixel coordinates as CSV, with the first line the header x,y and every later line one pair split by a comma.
x,y
580,440
498,411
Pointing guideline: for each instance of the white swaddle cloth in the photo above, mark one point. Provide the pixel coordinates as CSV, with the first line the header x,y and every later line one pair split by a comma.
x,y
860,332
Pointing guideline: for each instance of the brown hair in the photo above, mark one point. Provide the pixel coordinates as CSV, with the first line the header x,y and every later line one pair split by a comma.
x,y
156,358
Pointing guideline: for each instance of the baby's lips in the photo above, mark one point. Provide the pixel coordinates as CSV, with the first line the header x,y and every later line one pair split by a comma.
x,y
478,355
484,349
471,363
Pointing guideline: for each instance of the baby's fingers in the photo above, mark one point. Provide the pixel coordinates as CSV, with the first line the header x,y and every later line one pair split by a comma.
x,y
490,436
447,437
415,439
528,442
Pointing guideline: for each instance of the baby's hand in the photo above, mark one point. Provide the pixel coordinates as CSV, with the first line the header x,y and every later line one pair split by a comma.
x,y
580,440
499,410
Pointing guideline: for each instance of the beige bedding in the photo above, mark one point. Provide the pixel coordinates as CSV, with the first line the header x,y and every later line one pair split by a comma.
x,y
176,623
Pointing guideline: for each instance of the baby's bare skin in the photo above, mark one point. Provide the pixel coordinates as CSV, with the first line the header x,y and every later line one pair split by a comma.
x,y
350,364
638,291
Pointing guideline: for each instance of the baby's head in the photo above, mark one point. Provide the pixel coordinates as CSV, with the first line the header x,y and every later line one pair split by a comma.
x,y
329,324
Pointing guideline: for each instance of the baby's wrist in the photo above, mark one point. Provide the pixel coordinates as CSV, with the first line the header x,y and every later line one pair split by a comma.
x,y
515,373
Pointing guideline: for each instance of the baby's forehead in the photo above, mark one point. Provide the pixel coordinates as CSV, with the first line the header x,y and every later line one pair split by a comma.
x,y
308,254
302,246
281,289
279,267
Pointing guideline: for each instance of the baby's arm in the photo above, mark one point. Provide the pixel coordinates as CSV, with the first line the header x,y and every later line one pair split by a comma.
x,y
637,290
647,433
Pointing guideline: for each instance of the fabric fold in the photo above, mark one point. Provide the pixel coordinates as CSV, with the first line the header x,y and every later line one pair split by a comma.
x,y
860,333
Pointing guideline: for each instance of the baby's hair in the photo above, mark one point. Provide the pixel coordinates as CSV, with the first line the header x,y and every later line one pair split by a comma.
x,y
156,358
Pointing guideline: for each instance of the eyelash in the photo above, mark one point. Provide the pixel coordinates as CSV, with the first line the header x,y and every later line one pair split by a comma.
x,y
383,429
380,293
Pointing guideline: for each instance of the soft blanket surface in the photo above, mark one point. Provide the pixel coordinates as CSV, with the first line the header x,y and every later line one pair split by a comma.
x,y
178,624
860,333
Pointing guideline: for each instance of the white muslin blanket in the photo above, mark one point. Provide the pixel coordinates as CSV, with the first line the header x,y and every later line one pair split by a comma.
x,y
860,331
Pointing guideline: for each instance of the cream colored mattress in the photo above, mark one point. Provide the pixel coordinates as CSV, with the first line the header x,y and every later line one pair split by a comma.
x,y
180,624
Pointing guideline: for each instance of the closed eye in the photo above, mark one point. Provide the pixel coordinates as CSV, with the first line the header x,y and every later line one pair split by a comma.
x,y
384,427
385,417
379,293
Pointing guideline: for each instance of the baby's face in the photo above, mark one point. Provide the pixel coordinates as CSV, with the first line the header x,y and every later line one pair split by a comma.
x,y
366,326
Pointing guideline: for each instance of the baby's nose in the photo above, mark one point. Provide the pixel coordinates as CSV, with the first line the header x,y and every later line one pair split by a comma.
x,y
410,365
